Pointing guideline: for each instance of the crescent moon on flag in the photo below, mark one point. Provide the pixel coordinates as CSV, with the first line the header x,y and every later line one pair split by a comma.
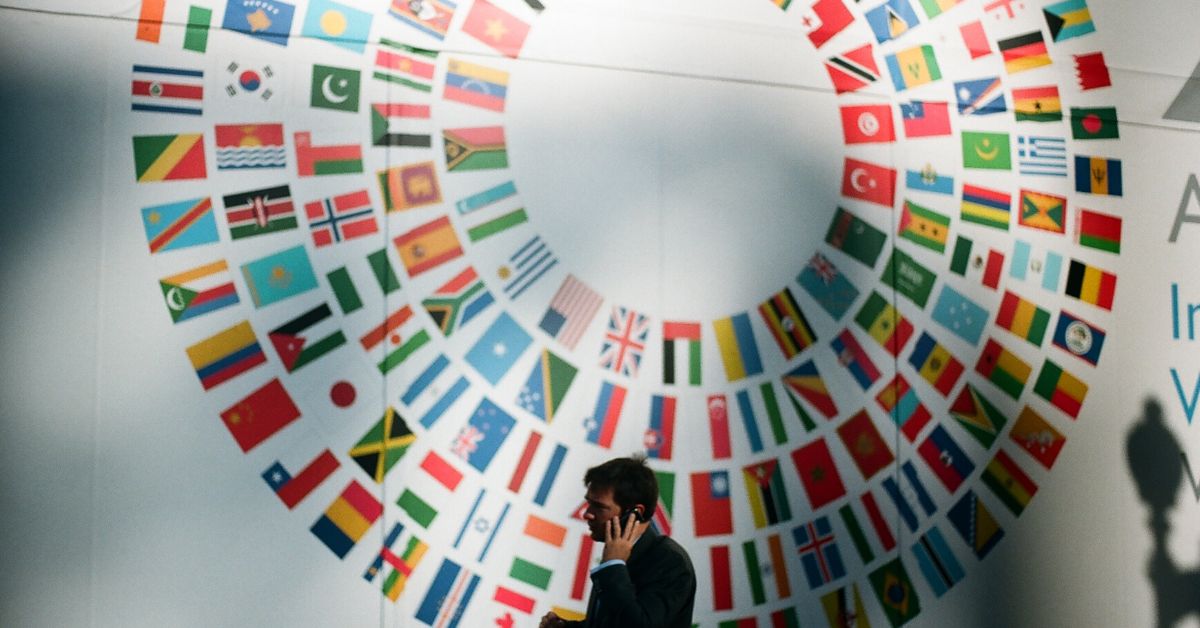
x,y
868,124
328,93
988,156
175,299
855,180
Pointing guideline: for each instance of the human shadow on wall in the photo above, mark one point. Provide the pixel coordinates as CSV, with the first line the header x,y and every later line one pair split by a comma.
x,y
1150,451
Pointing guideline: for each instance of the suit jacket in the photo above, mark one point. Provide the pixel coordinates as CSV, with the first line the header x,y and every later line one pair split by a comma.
x,y
655,588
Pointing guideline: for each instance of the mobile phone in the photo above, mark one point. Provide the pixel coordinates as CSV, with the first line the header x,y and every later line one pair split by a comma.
x,y
623,518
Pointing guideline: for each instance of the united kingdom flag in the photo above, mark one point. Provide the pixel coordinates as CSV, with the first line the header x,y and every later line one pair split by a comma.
x,y
624,341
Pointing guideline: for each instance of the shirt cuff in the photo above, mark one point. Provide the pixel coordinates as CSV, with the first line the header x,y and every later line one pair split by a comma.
x,y
607,563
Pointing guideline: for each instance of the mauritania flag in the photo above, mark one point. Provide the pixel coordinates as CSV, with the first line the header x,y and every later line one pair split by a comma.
x,y
458,301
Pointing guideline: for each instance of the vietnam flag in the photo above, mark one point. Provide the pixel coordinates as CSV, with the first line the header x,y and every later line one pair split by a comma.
x,y
496,28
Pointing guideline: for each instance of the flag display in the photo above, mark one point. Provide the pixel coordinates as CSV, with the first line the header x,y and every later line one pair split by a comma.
x,y
347,519
908,277
925,118
710,502
404,65
891,19
1078,337
158,89
279,276
924,226
383,445
869,182
1023,318
865,445
818,473
985,150
739,352
1098,175
1098,231
985,206
913,67
624,341
883,322
1062,389
1040,210
400,124
935,364
828,286
819,552
226,355
570,311
687,334
179,225
852,70
1091,284
805,382
476,85
428,246
945,458
260,415
338,24
341,218
458,301
787,323
169,157
855,237
200,290
409,186
1037,437
900,401
1003,368
766,493
1024,52
496,28
486,430
980,97
1009,482
1037,104
306,337
982,420
851,355
975,524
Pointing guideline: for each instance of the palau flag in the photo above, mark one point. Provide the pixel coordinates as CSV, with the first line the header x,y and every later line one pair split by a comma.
x,y
338,24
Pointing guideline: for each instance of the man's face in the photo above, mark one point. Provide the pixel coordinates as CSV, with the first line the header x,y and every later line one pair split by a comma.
x,y
600,508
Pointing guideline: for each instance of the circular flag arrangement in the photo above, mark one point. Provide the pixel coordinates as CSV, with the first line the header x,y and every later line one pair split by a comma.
x,y
371,309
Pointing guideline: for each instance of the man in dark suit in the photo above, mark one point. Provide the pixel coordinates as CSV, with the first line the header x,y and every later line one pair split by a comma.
x,y
644,578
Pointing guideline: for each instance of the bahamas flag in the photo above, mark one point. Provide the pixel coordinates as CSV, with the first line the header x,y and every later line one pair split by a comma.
x,y
1068,19
477,148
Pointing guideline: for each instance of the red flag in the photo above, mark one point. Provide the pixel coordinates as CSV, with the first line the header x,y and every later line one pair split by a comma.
x,y
864,124
711,510
825,19
923,118
869,182
718,424
1091,71
262,413
852,70
975,39
865,445
442,471
496,27
818,473
721,578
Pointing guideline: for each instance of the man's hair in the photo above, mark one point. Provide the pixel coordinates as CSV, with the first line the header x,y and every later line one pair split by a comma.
x,y
631,481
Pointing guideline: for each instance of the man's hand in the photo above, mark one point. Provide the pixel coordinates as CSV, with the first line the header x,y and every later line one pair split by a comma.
x,y
618,539
550,620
